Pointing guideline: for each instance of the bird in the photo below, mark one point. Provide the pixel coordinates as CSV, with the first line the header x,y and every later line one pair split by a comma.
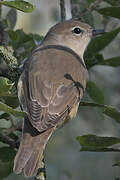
x,y
50,88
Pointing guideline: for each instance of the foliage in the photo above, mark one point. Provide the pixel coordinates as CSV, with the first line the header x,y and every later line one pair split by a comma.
x,y
15,46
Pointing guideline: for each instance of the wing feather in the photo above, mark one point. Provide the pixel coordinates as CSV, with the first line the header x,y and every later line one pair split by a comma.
x,y
49,95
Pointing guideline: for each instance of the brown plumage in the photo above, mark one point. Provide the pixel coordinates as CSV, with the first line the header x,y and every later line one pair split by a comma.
x,y
50,89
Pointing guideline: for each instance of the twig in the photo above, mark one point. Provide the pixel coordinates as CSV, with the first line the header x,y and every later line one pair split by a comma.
x,y
91,7
41,175
78,14
62,10
0,10
1,28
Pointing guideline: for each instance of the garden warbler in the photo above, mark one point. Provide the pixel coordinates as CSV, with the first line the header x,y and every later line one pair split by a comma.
x,y
50,89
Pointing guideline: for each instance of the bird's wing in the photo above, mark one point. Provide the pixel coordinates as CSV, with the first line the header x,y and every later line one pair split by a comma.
x,y
53,82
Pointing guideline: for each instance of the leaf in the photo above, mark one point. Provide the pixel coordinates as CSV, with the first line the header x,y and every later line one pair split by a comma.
x,y
98,149
11,111
6,169
114,62
95,92
11,17
5,87
97,59
13,35
110,11
11,101
99,43
98,144
87,103
110,111
23,43
7,155
116,164
97,141
117,178
20,5
113,2
4,116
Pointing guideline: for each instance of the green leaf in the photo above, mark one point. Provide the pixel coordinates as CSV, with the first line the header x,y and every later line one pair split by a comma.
x,y
116,164
117,178
23,43
13,35
6,169
110,11
113,2
12,17
97,59
20,5
110,111
11,111
11,101
97,141
87,103
98,149
4,116
90,1
95,92
5,87
98,144
6,93
114,62
7,155
99,43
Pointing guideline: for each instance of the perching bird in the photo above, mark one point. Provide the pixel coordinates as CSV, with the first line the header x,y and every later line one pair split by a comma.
x,y
50,89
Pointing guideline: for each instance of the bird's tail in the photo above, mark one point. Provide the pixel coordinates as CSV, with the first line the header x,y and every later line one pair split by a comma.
x,y
30,154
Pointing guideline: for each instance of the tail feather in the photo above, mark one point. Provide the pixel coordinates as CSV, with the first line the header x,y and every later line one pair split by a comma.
x,y
29,156
32,165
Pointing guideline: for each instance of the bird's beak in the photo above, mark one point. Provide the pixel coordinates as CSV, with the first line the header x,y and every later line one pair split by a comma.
x,y
96,32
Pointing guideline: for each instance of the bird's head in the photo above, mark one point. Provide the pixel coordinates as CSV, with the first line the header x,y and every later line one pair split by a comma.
x,y
73,34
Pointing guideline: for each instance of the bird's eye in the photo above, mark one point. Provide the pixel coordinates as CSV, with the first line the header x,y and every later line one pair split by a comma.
x,y
77,30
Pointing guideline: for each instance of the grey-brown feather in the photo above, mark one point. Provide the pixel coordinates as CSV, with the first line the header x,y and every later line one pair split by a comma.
x,y
48,97
49,93
30,152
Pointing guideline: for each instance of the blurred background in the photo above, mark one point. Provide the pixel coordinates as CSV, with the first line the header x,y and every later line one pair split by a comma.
x,y
64,161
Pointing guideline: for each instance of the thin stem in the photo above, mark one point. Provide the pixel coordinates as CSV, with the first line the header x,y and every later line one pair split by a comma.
x,y
62,10
41,175
76,10
1,29
91,7
0,10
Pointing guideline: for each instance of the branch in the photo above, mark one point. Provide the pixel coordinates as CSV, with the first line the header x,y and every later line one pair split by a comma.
x,y
62,10
41,175
91,7
0,10
1,28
